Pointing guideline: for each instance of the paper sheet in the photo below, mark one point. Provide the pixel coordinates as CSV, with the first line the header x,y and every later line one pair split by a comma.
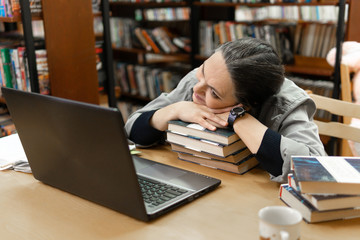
x,y
11,151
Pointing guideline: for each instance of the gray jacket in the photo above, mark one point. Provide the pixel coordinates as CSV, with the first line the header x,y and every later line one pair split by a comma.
x,y
290,113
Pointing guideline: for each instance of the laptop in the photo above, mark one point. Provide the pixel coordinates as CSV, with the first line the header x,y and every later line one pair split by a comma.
x,y
82,149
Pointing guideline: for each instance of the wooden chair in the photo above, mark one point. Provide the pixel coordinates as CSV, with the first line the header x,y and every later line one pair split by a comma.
x,y
341,108
346,95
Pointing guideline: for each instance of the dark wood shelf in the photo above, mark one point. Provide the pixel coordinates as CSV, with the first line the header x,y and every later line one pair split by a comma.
x,y
308,70
220,4
127,96
143,51
150,4
37,16
310,66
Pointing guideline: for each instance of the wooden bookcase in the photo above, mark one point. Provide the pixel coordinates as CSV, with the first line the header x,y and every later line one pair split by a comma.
x,y
70,45
216,11
138,55
25,17
225,11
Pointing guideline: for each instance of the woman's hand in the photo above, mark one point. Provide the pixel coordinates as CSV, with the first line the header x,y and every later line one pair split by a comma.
x,y
188,111
196,113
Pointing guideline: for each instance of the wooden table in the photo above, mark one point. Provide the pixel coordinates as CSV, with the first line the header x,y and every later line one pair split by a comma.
x,y
33,210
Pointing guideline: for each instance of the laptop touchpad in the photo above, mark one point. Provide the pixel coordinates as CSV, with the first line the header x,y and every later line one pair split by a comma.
x,y
161,172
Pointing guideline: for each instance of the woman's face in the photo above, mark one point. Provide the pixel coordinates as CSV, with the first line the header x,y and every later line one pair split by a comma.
x,y
215,88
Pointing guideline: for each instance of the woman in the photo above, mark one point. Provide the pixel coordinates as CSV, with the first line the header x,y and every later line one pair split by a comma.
x,y
242,84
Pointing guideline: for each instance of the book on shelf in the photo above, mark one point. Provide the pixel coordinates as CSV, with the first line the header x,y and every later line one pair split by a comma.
x,y
7,72
326,201
163,37
330,174
204,145
220,135
232,158
150,39
142,39
310,214
240,167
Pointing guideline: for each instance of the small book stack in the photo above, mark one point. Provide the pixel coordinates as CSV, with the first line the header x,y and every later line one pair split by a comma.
x,y
221,149
323,188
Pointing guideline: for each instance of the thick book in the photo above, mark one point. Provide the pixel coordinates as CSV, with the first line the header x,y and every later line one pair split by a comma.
x,y
310,214
337,175
241,167
326,201
232,158
221,135
204,145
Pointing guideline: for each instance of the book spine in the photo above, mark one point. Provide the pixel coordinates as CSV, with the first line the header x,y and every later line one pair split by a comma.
x,y
21,52
6,61
2,79
142,39
150,41
2,8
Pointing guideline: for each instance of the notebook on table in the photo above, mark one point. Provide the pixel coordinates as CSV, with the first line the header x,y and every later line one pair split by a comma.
x,y
83,149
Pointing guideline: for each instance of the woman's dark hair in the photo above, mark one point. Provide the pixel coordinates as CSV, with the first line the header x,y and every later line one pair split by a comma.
x,y
255,68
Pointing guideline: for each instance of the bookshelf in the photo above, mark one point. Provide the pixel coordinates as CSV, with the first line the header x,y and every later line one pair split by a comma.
x,y
25,17
300,64
315,66
174,17
70,46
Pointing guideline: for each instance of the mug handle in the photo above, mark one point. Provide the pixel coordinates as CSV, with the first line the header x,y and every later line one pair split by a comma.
x,y
284,235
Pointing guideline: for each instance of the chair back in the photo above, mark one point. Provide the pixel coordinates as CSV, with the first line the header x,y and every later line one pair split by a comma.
x,y
341,108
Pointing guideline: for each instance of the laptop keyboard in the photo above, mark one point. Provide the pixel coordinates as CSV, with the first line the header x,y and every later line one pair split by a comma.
x,y
156,193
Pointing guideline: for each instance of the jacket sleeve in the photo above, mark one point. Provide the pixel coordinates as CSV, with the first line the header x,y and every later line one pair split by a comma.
x,y
299,136
183,92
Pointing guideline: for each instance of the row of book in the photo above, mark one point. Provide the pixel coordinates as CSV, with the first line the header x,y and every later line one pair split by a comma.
x,y
166,14
145,81
121,32
323,188
270,1
305,39
14,71
221,149
314,39
211,34
321,13
141,1
162,40
11,8
125,33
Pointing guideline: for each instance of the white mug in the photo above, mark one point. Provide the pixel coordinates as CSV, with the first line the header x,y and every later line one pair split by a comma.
x,y
279,223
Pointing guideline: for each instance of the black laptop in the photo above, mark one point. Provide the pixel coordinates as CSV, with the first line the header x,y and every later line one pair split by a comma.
x,y
83,149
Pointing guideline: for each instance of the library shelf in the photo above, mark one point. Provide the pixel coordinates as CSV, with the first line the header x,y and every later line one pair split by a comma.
x,y
150,4
183,56
228,4
34,16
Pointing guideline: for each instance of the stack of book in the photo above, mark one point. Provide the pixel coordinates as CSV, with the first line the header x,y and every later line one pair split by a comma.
x,y
220,149
323,188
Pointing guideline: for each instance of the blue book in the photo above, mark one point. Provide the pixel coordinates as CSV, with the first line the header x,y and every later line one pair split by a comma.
x,y
337,175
